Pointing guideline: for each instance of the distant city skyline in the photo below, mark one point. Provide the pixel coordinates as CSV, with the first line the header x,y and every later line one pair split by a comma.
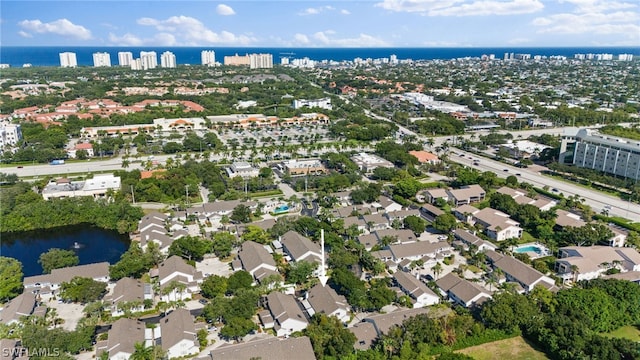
x,y
374,23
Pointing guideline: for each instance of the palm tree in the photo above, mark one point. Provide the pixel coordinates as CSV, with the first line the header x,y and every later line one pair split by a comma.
x,y
437,270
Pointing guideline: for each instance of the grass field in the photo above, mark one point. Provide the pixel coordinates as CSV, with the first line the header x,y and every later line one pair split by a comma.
x,y
625,332
513,349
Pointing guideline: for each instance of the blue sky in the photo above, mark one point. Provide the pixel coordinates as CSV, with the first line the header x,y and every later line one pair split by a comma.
x,y
359,23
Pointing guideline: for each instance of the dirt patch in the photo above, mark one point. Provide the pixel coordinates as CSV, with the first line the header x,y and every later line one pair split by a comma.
x,y
514,349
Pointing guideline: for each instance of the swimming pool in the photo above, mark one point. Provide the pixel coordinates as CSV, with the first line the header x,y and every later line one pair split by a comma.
x,y
528,248
281,209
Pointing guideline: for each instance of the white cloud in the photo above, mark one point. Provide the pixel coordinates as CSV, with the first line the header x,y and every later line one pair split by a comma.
x,y
301,39
24,34
463,7
321,9
125,40
518,41
345,12
490,7
225,10
597,17
325,38
62,27
192,32
160,39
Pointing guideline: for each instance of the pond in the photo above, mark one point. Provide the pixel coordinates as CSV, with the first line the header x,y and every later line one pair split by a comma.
x,y
91,244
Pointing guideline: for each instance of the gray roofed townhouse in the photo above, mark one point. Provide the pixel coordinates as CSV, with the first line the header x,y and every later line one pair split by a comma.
x,y
254,256
298,348
365,333
431,210
383,322
432,195
344,212
9,349
594,261
123,336
323,299
375,222
300,247
403,235
387,204
176,268
179,334
462,291
498,225
150,224
471,239
402,214
467,194
368,240
97,271
163,240
520,272
420,294
219,207
22,305
565,219
417,250
128,289
287,313
353,220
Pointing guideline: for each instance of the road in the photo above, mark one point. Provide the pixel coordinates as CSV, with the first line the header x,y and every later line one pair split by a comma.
x,y
595,199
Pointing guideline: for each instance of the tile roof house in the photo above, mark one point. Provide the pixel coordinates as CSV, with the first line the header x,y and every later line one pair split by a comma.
x,y
517,271
472,240
256,260
419,293
461,291
123,336
127,291
287,313
498,225
179,337
565,218
96,271
267,349
300,248
365,333
593,261
324,299
425,157
175,270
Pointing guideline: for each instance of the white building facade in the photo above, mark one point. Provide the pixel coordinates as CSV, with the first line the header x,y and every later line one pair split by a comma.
x,y
168,60
208,57
68,59
10,134
101,59
125,58
608,154
149,60
260,61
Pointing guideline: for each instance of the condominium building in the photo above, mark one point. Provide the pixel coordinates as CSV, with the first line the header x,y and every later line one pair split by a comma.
x,y
208,57
136,64
125,58
236,60
68,59
101,59
10,134
149,59
168,60
610,154
260,61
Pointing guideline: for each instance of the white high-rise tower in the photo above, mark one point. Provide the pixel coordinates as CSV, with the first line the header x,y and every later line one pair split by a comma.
x,y
68,59
208,57
168,60
125,58
101,59
149,59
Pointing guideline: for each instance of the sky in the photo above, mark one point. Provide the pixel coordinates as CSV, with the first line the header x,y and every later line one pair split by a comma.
x,y
302,23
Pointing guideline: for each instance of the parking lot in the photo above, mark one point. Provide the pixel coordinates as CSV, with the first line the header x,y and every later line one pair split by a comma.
x,y
213,266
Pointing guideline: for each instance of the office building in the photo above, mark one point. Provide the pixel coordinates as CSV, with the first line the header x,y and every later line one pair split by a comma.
x,y
168,60
609,154
208,57
125,58
101,59
260,61
149,60
68,59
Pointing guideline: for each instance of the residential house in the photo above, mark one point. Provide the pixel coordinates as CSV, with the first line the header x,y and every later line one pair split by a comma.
x,y
465,213
323,299
470,239
24,304
179,336
521,198
375,222
430,212
619,236
498,225
51,282
402,236
267,349
162,239
419,293
300,248
418,250
217,209
568,219
385,204
256,260
287,314
461,291
129,294
432,195
122,338
425,157
383,322
400,215
178,279
466,195
368,241
589,262
519,272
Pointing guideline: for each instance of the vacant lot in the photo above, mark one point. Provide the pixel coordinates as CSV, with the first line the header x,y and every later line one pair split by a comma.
x,y
512,349
626,332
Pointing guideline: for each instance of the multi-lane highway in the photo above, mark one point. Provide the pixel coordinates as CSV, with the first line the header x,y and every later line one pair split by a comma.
x,y
597,200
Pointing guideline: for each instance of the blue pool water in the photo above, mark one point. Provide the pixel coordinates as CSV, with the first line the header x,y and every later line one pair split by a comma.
x,y
530,248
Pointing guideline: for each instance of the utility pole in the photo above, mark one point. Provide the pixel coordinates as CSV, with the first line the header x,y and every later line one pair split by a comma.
x,y
133,194
186,189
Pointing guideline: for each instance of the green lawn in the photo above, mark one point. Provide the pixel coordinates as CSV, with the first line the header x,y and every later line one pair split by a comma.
x,y
625,332
513,349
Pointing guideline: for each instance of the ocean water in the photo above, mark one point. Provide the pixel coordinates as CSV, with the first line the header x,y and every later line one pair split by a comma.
x,y
16,56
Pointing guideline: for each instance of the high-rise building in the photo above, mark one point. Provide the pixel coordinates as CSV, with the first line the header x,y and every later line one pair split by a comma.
x,y
136,64
393,59
236,60
149,59
208,57
125,58
101,59
168,60
260,61
606,153
10,134
68,59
